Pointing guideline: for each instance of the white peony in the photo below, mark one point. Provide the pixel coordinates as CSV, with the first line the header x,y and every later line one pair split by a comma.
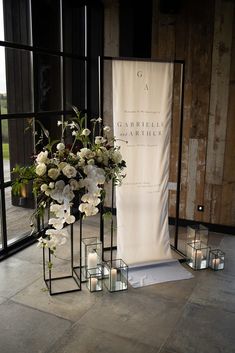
x,y
53,173
41,169
69,171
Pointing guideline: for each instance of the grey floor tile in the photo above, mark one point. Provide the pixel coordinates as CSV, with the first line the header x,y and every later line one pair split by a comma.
x,y
137,317
24,330
175,291
215,288
71,306
2,300
16,274
202,329
84,339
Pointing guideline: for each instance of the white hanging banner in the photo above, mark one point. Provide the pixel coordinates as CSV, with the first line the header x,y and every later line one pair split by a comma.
x,y
142,108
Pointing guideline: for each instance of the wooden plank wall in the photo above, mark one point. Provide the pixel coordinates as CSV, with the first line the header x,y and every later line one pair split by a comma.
x,y
202,33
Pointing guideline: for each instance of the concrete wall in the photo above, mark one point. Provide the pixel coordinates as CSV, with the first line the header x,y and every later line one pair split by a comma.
x,y
202,33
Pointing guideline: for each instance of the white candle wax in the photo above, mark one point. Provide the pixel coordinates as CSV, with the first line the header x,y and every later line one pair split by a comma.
x,y
198,258
92,260
113,276
93,284
215,263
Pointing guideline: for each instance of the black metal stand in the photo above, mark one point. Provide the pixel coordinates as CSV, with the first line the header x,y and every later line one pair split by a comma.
x,y
111,247
74,273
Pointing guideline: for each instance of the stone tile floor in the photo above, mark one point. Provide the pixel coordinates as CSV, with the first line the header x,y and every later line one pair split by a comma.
x,y
189,316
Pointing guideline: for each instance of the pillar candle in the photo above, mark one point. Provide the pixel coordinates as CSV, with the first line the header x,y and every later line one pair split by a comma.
x,y
215,263
93,284
198,258
92,260
113,276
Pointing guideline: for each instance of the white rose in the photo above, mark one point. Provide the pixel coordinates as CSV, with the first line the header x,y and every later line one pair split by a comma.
x,y
44,187
41,169
69,171
51,185
86,153
91,161
42,157
86,132
60,147
53,173
61,165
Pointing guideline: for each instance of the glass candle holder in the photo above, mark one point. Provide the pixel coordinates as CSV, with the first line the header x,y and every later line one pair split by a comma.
x,y
196,233
94,280
198,255
91,256
216,259
115,275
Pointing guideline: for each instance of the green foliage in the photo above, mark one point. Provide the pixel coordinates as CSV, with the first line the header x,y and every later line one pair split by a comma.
x,y
23,175
5,147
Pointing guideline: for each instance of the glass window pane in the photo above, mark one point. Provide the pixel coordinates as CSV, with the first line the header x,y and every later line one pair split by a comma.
x,y
3,97
75,83
5,149
1,22
1,239
18,214
74,27
15,19
46,24
47,75
16,70
21,142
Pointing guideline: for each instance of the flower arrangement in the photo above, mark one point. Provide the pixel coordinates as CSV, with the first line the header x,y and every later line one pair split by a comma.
x,y
61,172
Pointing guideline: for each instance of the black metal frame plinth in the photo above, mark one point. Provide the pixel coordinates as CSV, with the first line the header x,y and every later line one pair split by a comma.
x,y
75,273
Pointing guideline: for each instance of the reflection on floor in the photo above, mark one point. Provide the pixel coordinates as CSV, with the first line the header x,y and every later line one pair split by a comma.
x,y
196,315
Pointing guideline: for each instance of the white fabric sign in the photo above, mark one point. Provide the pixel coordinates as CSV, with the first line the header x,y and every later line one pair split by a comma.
x,y
142,106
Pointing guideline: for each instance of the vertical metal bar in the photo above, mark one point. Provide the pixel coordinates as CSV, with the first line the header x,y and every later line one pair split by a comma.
x,y
44,263
49,264
80,249
100,87
111,247
2,196
179,156
71,248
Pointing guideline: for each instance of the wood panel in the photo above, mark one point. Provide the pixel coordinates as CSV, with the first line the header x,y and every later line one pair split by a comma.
x,y
219,91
